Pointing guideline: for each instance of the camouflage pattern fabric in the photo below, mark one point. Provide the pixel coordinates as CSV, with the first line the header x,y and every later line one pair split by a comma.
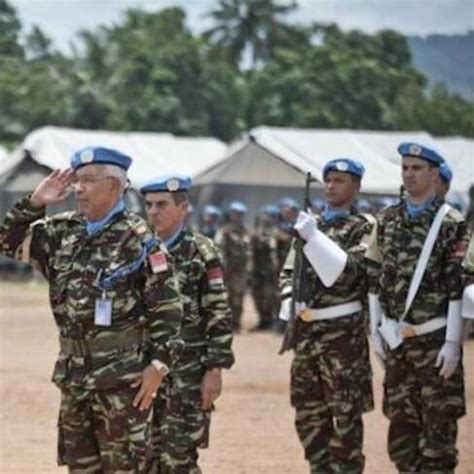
x,y
101,432
421,405
265,275
331,379
284,238
99,382
234,245
180,425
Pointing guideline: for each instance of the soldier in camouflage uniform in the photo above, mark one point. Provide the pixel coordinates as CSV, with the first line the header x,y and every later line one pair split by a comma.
x,y
421,342
288,212
331,380
116,304
265,267
233,239
183,412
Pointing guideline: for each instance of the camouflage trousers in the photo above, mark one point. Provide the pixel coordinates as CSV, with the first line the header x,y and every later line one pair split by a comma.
x,y
236,290
423,407
100,432
331,387
180,426
266,296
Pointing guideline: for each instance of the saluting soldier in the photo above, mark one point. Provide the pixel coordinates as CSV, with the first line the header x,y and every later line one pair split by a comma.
x,y
233,239
265,267
116,304
331,380
416,321
183,411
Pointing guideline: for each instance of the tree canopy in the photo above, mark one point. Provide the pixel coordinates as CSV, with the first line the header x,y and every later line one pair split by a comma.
x,y
151,72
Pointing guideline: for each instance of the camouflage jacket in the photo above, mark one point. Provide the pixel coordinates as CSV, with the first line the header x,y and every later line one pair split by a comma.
x,y
207,323
284,238
468,264
393,255
352,233
234,245
265,261
74,263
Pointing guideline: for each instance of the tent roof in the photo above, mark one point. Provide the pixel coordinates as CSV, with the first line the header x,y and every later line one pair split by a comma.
x,y
152,153
309,149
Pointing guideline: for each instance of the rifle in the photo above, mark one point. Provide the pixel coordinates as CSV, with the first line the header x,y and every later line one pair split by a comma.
x,y
289,338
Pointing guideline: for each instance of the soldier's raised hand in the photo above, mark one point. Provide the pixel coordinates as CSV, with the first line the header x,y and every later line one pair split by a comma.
x,y
305,225
53,189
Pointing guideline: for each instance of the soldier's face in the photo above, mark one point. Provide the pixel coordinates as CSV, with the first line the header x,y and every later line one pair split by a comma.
x,y
419,177
95,192
340,188
164,214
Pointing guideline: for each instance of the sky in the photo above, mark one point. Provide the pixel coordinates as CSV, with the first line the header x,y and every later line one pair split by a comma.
x,y
61,19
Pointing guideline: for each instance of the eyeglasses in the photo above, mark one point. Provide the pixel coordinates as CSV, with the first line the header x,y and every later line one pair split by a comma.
x,y
88,180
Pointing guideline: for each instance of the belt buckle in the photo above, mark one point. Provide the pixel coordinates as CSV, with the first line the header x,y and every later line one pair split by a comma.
x,y
407,332
306,315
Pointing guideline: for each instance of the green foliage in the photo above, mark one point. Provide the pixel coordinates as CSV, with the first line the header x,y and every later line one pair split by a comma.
x,y
150,72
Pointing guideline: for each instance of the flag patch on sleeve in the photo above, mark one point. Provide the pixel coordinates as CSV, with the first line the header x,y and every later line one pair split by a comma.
x,y
158,262
215,276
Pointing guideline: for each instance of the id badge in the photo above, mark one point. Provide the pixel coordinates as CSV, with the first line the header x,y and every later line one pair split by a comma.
x,y
103,311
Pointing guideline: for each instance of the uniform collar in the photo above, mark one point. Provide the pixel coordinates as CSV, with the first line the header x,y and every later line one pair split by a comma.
x,y
415,211
175,238
93,227
329,213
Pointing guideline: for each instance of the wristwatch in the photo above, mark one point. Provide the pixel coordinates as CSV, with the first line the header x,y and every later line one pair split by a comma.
x,y
163,369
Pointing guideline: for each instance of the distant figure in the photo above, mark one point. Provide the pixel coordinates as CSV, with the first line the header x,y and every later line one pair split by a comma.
x,y
233,239
289,209
211,217
265,266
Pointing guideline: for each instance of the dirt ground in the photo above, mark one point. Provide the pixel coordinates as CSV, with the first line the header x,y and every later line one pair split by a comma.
x,y
252,430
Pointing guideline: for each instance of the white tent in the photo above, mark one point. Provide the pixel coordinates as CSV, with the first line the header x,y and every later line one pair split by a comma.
x,y
153,154
269,162
272,156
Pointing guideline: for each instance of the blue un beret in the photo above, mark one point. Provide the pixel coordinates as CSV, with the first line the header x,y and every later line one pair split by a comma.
x,y
169,183
237,206
445,172
345,165
96,155
289,202
420,151
270,209
210,210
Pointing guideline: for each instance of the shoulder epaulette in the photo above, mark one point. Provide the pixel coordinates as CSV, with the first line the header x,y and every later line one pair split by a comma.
x,y
206,247
455,215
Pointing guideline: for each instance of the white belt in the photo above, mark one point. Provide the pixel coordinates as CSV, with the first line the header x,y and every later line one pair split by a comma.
x,y
331,312
408,331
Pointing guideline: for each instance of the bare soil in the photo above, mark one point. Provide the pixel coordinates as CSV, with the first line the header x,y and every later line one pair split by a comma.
x,y
252,430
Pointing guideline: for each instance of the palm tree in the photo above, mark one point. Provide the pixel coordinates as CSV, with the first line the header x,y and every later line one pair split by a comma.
x,y
252,25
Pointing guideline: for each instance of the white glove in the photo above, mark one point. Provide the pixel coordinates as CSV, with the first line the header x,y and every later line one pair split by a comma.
x,y
300,307
305,225
285,307
449,356
377,345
